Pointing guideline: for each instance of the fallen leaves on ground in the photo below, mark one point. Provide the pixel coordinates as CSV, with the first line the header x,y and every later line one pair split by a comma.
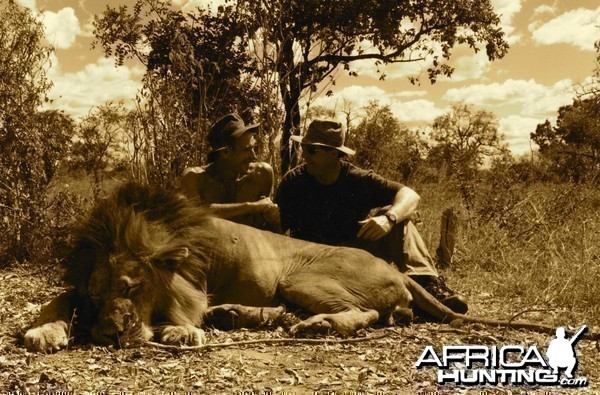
x,y
383,365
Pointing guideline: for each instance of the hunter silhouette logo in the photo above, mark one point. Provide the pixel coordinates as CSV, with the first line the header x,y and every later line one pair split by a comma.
x,y
561,353
512,365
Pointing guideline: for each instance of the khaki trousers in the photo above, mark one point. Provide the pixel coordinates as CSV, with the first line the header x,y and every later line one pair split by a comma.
x,y
403,246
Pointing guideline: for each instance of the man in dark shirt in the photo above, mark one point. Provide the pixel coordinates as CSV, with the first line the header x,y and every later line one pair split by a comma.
x,y
330,201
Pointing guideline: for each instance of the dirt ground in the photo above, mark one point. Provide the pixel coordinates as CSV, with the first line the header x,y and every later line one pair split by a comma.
x,y
386,365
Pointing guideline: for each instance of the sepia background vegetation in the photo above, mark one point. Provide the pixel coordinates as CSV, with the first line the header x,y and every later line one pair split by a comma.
x,y
528,227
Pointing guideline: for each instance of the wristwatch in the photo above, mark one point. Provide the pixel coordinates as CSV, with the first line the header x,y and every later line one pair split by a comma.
x,y
392,217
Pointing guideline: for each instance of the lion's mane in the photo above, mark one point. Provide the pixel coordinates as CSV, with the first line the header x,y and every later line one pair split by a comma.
x,y
148,224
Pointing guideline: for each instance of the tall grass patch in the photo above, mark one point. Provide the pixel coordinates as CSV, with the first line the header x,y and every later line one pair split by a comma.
x,y
537,243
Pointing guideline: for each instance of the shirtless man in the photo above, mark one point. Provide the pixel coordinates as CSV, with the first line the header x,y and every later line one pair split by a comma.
x,y
232,184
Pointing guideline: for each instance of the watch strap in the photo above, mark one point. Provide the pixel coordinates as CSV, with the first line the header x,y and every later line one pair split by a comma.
x,y
392,217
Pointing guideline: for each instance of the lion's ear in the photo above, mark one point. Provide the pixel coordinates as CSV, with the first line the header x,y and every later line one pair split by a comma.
x,y
170,258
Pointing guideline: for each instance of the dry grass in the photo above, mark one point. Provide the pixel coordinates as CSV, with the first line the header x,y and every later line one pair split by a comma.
x,y
532,246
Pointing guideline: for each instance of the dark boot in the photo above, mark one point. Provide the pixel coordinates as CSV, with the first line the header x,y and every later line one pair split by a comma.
x,y
437,287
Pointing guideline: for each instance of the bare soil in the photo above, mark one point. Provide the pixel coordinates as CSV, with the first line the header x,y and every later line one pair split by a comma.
x,y
386,365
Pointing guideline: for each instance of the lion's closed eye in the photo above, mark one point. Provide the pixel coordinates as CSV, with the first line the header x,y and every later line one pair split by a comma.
x,y
130,287
131,290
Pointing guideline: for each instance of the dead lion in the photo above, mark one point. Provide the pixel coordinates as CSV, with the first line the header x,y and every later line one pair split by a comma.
x,y
147,261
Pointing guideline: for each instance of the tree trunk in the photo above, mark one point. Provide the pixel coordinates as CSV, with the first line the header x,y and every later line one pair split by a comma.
x,y
445,251
291,126
290,88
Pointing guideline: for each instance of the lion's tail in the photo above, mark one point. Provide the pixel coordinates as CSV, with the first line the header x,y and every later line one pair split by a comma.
x,y
426,302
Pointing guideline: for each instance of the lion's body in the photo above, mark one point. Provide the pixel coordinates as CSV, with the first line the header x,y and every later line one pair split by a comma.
x,y
264,269
147,258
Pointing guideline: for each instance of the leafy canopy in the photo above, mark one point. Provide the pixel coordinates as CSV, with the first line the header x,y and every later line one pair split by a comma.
x,y
302,43
384,144
572,147
327,34
206,53
465,136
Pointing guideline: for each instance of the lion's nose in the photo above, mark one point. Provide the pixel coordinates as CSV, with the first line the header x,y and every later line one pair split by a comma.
x,y
127,321
114,332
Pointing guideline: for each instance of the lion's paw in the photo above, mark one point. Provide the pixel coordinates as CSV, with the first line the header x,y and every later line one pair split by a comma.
x,y
345,323
48,337
315,324
232,316
187,335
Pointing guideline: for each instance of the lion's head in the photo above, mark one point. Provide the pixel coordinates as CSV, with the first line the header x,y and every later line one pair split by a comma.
x,y
133,260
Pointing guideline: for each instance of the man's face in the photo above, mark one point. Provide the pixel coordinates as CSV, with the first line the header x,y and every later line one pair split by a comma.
x,y
242,154
319,159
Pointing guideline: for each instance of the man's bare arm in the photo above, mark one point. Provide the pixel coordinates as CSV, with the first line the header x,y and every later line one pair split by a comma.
x,y
270,213
232,210
192,182
404,206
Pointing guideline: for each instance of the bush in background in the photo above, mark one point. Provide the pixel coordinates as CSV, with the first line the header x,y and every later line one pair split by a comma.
x,y
384,145
31,142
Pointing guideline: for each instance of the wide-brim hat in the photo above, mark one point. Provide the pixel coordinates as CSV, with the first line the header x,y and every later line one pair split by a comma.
x,y
325,133
225,131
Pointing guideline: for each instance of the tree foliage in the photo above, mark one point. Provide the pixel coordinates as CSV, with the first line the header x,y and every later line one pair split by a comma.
x,y
465,137
197,70
383,144
31,143
206,52
57,130
572,147
100,142
161,141
309,40
590,90
300,44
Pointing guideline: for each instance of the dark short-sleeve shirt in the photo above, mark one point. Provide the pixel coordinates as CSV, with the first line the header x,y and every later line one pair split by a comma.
x,y
330,213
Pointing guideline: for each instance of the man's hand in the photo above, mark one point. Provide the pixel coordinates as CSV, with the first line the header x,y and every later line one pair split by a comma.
x,y
262,204
271,214
374,228
268,209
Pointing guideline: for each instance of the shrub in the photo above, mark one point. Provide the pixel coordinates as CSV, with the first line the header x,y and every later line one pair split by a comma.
x,y
31,143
